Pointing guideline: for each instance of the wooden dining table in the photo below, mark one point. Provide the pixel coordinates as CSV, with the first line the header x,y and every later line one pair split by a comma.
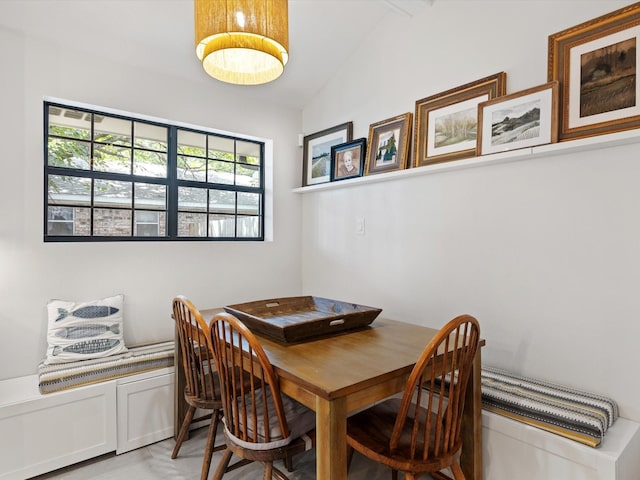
x,y
337,375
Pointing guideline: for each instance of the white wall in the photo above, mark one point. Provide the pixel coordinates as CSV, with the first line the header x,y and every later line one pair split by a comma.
x,y
544,252
148,274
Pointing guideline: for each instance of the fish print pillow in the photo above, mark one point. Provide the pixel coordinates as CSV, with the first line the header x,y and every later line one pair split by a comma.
x,y
81,331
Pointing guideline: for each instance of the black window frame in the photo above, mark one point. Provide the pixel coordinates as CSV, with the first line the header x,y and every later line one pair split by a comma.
x,y
172,182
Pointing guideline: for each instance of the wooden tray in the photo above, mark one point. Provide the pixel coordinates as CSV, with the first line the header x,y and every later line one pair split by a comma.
x,y
295,319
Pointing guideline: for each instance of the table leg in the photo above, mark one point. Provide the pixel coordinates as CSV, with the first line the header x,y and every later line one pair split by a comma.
x,y
331,439
471,458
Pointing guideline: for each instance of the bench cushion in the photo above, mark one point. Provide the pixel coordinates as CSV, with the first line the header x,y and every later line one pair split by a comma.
x,y
52,378
580,416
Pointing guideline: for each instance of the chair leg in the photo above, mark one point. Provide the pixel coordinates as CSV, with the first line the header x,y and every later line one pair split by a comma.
x,y
458,474
209,447
222,466
268,470
288,462
394,474
183,431
277,474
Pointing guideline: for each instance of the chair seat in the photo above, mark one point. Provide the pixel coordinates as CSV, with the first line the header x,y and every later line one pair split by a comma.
x,y
370,430
300,418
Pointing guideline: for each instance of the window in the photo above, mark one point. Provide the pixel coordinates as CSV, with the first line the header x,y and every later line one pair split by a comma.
x,y
115,177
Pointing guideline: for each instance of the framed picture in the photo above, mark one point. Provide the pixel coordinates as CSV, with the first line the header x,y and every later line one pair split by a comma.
x,y
347,159
447,123
317,152
388,146
519,120
596,64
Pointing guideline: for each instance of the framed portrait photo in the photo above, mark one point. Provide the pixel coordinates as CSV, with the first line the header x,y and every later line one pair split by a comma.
x,y
447,123
596,64
388,145
519,120
347,159
316,167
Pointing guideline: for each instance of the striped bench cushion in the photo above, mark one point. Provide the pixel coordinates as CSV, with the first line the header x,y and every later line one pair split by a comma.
x,y
56,377
577,415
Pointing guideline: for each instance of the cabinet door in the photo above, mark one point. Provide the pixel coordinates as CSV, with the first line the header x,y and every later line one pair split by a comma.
x,y
51,431
145,411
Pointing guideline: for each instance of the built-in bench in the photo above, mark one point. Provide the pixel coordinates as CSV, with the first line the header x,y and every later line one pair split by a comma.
x,y
93,409
535,430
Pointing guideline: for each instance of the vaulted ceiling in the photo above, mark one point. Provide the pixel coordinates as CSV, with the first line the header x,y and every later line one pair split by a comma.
x,y
158,35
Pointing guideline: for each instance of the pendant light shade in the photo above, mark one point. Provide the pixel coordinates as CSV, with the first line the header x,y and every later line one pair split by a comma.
x,y
244,42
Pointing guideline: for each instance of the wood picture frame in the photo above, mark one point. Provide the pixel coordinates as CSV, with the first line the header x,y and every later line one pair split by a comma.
x,y
316,167
523,119
446,123
388,144
348,159
596,63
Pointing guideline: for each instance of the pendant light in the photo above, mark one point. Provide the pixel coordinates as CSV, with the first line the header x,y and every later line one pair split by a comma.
x,y
242,41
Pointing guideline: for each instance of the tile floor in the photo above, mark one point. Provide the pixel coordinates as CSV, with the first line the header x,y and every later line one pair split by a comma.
x,y
154,462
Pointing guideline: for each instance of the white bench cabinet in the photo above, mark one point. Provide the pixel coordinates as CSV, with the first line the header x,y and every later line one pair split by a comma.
x,y
40,433
512,449
145,409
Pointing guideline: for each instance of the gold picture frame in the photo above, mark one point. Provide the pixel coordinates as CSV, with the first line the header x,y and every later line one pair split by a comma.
x,y
453,110
523,119
596,63
388,145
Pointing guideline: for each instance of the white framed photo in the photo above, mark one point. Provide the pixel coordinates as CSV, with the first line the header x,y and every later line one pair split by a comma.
x,y
523,119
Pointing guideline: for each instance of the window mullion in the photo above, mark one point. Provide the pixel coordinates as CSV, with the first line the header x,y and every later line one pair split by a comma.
x,y
172,183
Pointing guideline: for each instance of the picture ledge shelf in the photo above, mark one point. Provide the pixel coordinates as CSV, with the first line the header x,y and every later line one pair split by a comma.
x,y
582,144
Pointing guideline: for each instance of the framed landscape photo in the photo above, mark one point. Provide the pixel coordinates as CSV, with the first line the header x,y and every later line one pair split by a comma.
x,y
519,120
596,64
446,123
388,146
347,159
316,167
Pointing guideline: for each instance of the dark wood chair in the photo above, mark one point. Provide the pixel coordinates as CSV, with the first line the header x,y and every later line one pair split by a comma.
x,y
202,390
420,433
261,423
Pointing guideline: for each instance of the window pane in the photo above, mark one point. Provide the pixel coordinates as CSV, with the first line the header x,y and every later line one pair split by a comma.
x,y
60,221
69,153
192,224
112,193
190,168
222,201
151,196
112,158
221,148
82,221
222,226
151,137
249,203
115,131
248,176
192,199
150,164
112,222
248,227
220,172
64,189
147,223
69,123
191,143
248,152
